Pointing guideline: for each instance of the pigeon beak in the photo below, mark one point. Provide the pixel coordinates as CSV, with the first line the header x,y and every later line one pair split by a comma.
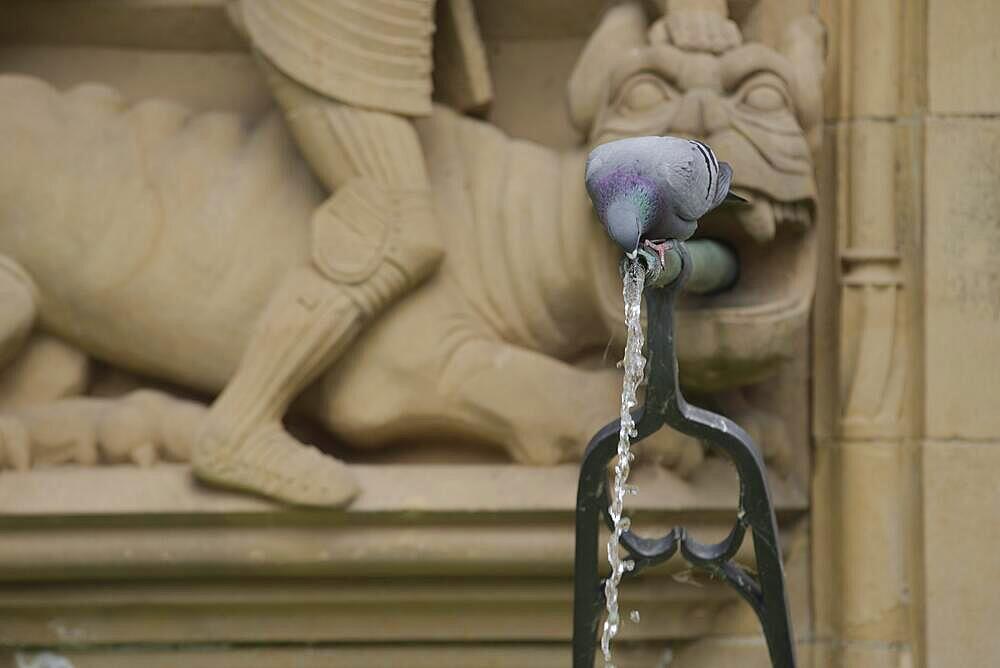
x,y
623,225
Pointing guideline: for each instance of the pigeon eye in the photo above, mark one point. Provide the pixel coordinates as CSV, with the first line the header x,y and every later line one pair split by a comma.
x,y
643,94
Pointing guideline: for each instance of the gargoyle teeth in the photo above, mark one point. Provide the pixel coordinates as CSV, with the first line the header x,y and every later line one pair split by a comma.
x,y
795,214
758,219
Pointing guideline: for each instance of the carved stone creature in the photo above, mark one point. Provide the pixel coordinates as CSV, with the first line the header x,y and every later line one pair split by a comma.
x,y
207,253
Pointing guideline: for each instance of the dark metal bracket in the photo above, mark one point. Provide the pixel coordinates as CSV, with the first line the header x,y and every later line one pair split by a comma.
x,y
665,405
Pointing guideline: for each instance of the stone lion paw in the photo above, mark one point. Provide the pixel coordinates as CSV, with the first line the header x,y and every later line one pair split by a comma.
x,y
60,432
147,426
140,428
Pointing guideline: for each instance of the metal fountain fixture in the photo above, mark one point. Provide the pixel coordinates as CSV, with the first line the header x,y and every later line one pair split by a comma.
x,y
700,266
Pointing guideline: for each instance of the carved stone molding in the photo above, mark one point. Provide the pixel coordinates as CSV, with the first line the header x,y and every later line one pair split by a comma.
x,y
865,473
112,555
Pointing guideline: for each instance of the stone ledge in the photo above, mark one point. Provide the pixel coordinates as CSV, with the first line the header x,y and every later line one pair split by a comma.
x,y
532,655
411,520
103,557
454,489
363,610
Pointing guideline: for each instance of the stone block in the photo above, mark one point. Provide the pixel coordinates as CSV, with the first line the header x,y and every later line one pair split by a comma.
x,y
859,586
961,543
963,49
475,554
411,656
149,24
530,81
962,278
743,651
865,655
226,81
870,537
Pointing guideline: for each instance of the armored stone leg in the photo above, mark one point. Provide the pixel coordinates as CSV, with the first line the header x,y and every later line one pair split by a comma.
x,y
308,323
366,254
373,242
17,308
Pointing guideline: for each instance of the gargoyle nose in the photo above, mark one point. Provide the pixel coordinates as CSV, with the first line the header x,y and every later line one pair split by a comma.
x,y
701,114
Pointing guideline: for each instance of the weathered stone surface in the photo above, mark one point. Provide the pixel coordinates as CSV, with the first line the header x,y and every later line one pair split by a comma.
x,y
872,591
962,53
481,553
149,24
463,488
335,610
742,651
727,342
961,543
858,596
226,81
863,655
962,282
529,77
427,655
470,554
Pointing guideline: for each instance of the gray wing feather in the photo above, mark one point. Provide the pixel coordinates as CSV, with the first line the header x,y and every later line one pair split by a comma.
x,y
723,183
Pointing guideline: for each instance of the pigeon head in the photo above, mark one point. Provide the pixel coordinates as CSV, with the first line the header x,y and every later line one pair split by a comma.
x,y
627,203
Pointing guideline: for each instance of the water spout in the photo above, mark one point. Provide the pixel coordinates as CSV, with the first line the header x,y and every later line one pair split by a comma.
x,y
714,266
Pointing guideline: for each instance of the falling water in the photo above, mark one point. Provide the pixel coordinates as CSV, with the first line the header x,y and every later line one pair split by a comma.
x,y
634,363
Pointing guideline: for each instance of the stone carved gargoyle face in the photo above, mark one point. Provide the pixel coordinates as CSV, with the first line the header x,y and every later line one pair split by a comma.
x,y
759,109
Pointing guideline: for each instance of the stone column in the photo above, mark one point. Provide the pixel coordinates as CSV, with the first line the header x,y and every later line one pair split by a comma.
x,y
866,479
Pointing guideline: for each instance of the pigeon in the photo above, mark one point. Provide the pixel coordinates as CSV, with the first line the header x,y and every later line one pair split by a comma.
x,y
653,189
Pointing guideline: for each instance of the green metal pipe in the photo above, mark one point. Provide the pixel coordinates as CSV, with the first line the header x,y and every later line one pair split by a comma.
x,y
714,267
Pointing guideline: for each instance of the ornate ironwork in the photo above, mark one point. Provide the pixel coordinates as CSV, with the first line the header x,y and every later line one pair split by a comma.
x,y
665,405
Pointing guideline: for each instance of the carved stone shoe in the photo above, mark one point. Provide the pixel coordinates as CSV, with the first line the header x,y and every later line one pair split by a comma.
x,y
269,461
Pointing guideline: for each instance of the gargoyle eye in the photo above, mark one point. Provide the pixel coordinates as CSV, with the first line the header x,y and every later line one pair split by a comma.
x,y
765,97
643,94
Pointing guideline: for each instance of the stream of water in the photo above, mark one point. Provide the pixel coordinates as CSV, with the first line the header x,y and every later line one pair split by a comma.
x,y
634,364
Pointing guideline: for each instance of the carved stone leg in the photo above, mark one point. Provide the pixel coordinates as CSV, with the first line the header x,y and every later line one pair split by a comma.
x,y
367,252
17,308
544,411
307,324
